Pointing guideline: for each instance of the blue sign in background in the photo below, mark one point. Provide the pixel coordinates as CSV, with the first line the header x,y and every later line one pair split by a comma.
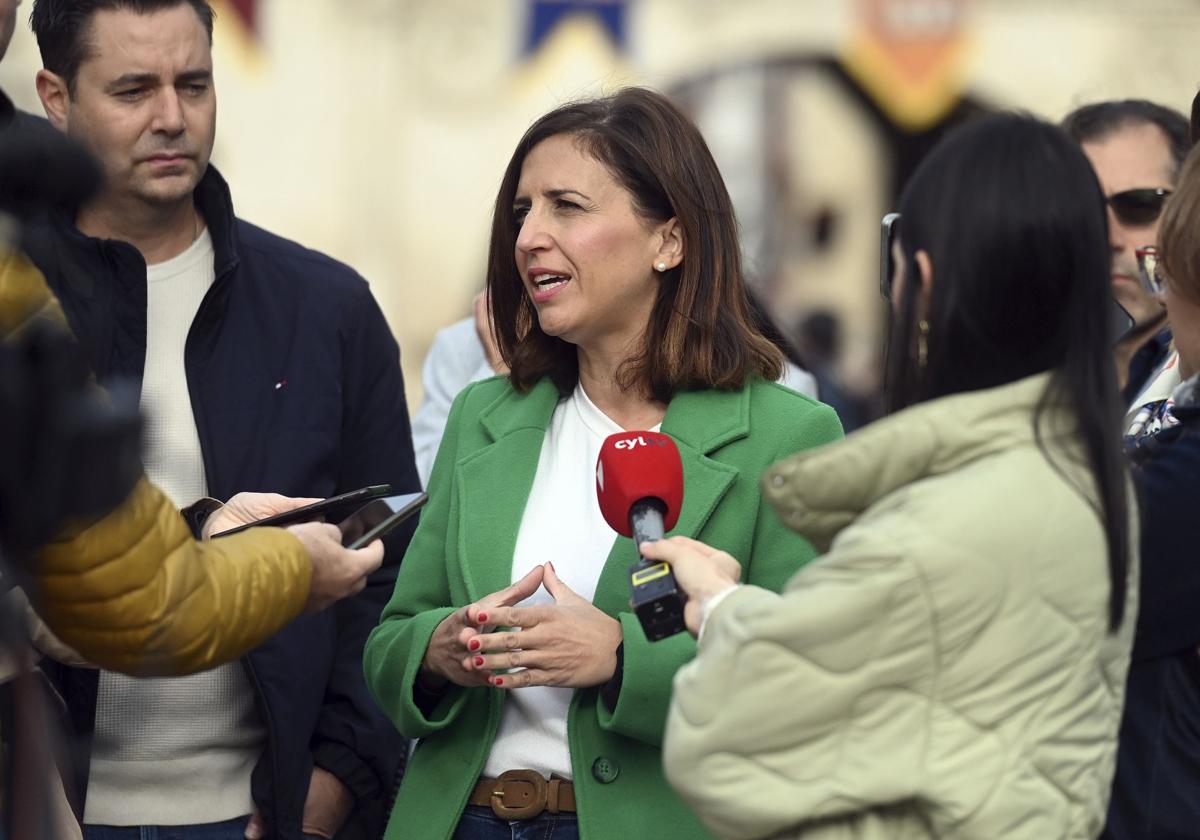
x,y
545,15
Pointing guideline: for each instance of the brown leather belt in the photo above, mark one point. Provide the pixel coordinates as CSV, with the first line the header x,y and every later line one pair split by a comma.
x,y
523,794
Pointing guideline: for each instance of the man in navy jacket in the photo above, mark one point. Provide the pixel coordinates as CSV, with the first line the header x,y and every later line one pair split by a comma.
x,y
263,366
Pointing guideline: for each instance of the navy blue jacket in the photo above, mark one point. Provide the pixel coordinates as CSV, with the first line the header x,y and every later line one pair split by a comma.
x,y
1156,793
296,388
1144,363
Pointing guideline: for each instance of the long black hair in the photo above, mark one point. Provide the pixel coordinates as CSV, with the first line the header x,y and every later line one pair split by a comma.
x,y
1013,219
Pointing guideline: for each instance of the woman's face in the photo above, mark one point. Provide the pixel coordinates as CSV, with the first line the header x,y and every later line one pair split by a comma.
x,y
585,256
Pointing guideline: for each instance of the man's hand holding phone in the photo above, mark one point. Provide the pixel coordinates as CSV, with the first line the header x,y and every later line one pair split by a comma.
x,y
337,572
261,510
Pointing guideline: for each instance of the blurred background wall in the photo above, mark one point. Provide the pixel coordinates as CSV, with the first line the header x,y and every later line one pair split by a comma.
x,y
377,130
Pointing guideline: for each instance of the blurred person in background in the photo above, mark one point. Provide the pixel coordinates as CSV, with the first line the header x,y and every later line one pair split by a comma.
x,y
1136,148
953,665
795,374
1156,794
460,354
263,366
619,304
819,337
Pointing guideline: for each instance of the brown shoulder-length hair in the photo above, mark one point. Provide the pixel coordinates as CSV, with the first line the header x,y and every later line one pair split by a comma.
x,y
701,333
1178,236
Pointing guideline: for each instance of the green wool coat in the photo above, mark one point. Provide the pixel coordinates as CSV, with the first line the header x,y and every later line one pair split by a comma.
x,y
463,550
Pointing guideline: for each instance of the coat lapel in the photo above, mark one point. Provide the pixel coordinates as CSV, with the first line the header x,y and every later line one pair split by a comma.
x,y
700,423
494,483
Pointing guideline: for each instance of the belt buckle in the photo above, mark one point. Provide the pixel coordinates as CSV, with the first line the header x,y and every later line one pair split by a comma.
x,y
513,780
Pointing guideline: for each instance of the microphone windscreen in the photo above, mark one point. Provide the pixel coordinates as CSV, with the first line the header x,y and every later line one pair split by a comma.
x,y
638,465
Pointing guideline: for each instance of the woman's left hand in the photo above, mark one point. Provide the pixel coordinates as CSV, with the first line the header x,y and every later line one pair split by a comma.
x,y
571,643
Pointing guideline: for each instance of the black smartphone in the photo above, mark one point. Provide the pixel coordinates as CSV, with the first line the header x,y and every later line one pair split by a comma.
x,y
887,266
378,518
333,508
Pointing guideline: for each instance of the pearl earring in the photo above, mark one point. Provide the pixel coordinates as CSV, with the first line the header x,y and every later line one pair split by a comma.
x,y
662,266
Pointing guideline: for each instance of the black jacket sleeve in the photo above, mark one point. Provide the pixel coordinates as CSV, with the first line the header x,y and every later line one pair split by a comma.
x,y
1169,603
353,740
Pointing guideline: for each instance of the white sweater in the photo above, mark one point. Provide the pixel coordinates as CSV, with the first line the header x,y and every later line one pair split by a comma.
x,y
180,750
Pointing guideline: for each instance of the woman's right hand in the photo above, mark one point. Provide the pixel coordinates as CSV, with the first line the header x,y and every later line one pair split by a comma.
x,y
448,659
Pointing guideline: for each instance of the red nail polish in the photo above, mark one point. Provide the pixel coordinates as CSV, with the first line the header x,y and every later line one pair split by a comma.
x,y
497,681
478,661
473,644
481,618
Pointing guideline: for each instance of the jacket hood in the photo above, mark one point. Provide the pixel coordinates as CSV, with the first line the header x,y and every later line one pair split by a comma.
x,y
820,492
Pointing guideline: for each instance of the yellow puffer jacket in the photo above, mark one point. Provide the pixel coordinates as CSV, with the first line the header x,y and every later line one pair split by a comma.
x,y
135,592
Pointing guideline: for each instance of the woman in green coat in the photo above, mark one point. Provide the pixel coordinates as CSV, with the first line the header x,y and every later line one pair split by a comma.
x,y
509,647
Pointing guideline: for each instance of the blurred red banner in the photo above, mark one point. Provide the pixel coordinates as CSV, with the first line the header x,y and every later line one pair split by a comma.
x,y
247,11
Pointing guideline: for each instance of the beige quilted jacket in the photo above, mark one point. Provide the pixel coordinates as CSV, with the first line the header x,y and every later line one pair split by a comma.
x,y
943,670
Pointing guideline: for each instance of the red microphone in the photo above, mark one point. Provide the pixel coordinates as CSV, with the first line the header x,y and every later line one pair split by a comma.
x,y
639,484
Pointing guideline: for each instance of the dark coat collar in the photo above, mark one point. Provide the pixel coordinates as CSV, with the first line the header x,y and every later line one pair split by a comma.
x,y
215,204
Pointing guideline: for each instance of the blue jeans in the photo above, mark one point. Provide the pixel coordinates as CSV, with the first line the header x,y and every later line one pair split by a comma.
x,y
229,830
479,823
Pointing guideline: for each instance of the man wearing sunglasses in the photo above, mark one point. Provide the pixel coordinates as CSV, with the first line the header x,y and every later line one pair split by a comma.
x,y
1136,148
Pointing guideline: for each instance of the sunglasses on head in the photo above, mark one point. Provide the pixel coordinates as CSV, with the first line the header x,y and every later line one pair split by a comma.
x,y
887,265
1138,208
1150,271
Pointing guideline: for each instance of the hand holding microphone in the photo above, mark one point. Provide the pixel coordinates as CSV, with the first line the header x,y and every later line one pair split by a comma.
x,y
702,572
639,484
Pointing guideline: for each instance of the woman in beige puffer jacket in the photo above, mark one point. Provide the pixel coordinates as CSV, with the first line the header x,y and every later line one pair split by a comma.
x,y
953,666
